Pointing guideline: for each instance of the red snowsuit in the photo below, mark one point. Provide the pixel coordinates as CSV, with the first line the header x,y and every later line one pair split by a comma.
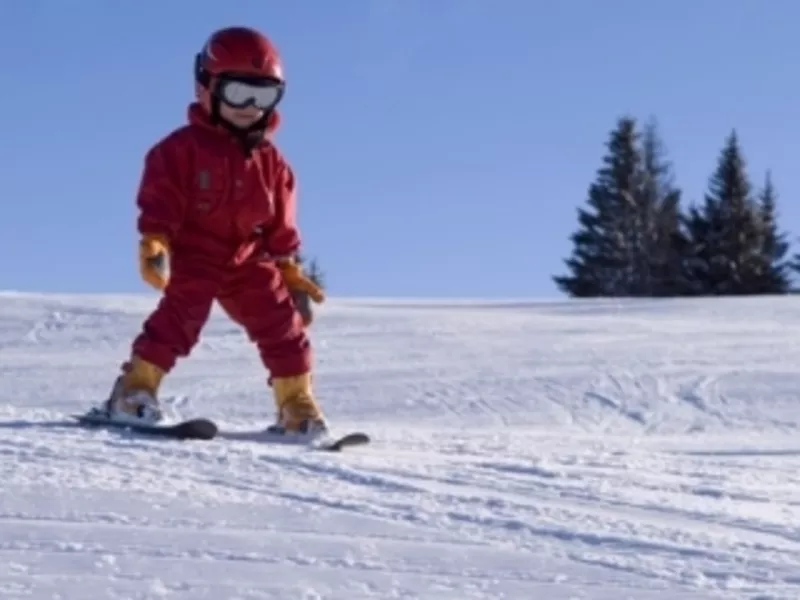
x,y
219,211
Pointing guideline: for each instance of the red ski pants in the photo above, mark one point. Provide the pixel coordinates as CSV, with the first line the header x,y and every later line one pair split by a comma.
x,y
253,295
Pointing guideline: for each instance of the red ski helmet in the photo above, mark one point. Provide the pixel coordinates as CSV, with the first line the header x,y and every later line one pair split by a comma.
x,y
244,56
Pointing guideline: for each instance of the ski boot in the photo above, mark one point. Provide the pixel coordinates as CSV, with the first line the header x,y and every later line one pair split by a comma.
x,y
298,412
134,395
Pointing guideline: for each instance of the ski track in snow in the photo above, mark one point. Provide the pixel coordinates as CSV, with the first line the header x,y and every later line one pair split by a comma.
x,y
563,450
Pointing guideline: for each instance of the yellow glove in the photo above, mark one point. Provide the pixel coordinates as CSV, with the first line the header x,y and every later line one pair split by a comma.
x,y
297,280
154,260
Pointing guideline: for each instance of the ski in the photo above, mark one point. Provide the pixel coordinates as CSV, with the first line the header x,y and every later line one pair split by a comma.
x,y
189,429
327,443
201,428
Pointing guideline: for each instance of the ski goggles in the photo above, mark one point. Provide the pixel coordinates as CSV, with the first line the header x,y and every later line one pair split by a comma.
x,y
262,93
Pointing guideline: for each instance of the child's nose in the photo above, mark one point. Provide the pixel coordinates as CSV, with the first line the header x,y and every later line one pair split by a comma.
x,y
250,111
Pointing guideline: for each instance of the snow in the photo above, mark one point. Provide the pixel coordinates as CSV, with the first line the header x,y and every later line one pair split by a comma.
x,y
599,450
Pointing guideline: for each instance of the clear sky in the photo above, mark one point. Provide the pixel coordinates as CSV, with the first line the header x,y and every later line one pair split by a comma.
x,y
442,146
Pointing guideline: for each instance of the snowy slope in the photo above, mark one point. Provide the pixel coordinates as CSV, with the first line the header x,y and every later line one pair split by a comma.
x,y
598,450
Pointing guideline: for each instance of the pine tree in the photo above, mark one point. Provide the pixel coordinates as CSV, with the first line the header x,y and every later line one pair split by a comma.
x,y
316,274
659,201
690,244
624,246
602,263
724,236
773,276
794,266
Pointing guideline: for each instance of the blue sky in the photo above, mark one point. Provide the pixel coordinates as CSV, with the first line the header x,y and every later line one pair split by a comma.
x,y
442,146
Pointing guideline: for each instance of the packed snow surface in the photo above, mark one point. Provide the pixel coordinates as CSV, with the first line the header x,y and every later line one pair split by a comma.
x,y
601,450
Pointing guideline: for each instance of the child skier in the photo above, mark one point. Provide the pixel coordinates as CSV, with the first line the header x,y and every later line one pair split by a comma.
x,y
217,222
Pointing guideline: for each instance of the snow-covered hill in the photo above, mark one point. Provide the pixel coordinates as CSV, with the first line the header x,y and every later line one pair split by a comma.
x,y
564,450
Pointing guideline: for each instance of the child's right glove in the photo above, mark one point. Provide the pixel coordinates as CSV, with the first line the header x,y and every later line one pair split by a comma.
x,y
298,281
154,260
302,288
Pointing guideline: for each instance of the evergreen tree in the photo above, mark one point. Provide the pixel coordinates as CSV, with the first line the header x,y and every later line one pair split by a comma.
x,y
624,246
774,268
724,245
794,266
690,244
659,201
316,274
601,263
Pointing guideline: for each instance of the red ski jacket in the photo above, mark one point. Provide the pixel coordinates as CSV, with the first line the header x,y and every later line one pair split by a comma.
x,y
214,203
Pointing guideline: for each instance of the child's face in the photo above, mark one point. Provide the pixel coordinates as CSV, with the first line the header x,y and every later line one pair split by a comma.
x,y
241,117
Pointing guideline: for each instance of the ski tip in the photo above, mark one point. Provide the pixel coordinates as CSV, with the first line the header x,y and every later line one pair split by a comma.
x,y
202,429
356,438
